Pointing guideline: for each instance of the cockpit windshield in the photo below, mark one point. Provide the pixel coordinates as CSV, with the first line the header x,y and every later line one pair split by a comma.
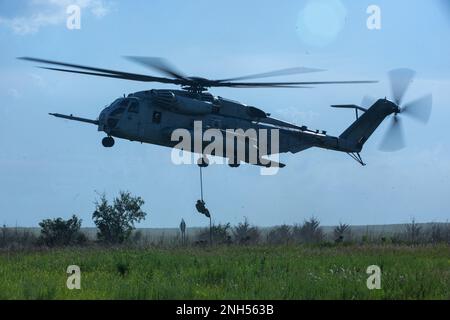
x,y
119,106
117,112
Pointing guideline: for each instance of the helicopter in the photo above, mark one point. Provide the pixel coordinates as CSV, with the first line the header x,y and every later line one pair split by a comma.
x,y
152,116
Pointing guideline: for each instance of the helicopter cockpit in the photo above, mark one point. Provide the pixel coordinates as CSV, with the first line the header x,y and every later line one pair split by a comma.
x,y
111,115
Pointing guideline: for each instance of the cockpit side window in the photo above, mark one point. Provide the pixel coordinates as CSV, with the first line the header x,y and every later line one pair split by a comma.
x,y
134,107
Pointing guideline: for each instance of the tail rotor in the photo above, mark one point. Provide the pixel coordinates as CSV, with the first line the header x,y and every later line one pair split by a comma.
x,y
419,109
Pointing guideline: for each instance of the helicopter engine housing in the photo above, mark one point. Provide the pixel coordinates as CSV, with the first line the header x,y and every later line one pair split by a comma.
x,y
166,99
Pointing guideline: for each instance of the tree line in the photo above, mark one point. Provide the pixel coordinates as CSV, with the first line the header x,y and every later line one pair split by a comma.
x,y
116,220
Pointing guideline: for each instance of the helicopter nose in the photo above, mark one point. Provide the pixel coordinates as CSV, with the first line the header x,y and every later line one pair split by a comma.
x,y
103,115
102,118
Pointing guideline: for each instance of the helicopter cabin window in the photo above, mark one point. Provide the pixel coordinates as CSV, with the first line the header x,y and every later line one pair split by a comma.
x,y
134,107
156,117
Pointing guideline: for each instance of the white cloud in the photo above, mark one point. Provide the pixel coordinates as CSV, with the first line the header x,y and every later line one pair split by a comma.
x,y
38,80
14,93
50,13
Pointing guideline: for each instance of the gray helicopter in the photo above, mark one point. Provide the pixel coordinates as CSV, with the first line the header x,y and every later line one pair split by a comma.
x,y
153,115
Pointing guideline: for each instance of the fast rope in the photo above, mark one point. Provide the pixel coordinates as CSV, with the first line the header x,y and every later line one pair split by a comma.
x,y
201,184
201,205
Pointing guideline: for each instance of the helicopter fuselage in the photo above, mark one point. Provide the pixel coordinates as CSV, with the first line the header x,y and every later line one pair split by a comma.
x,y
153,116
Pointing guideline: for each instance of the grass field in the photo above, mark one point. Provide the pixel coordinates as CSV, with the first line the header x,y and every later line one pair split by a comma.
x,y
290,272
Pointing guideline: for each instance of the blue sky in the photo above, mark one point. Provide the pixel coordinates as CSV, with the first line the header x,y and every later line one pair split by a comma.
x,y
53,168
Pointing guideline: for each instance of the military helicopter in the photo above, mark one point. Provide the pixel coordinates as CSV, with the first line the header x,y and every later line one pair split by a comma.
x,y
151,116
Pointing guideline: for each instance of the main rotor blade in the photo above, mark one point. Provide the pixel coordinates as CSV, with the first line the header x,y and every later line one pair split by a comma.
x,y
394,138
400,80
419,109
132,77
277,86
276,73
101,72
188,82
270,84
159,64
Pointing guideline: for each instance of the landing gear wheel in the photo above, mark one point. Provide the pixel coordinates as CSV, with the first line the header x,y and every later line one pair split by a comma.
x,y
108,142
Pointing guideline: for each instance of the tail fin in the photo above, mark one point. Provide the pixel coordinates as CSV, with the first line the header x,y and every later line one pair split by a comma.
x,y
360,131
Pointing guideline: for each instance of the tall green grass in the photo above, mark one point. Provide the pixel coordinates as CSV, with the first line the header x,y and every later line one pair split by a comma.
x,y
286,272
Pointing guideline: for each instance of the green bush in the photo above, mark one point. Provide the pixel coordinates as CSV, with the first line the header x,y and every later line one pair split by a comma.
x,y
244,233
280,235
309,232
220,234
342,233
59,232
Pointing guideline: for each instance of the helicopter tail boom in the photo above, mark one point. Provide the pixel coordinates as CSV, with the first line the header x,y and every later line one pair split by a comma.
x,y
365,125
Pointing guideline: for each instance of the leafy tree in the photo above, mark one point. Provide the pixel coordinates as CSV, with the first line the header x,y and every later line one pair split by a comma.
x,y
220,234
4,235
116,221
59,232
413,232
246,234
342,233
309,232
437,234
280,235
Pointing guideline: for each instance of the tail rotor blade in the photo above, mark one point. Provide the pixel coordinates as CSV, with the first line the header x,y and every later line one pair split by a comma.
x,y
400,80
419,109
394,139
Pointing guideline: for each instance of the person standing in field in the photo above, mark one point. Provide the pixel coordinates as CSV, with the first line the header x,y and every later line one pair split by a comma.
x,y
183,231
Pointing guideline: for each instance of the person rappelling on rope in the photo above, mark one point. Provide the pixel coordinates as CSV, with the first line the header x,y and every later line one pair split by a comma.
x,y
201,205
201,208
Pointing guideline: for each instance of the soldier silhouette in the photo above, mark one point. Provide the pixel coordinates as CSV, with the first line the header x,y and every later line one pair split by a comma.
x,y
183,231
201,208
